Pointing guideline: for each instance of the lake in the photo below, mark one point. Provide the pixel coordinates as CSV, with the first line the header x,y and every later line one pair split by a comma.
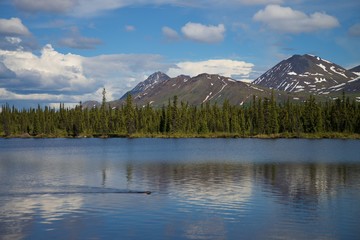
x,y
200,189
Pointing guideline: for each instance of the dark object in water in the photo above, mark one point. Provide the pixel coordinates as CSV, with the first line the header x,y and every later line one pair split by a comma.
x,y
77,192
143,192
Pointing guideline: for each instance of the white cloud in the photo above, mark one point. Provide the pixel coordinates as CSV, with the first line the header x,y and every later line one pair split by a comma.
x,y
56,77
202,33
13,40
53,76
285,19
229,68
13,26
355,30
170,33
51,71
121,72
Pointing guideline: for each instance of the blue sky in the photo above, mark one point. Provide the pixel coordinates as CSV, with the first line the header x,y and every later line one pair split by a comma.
x,y
55,51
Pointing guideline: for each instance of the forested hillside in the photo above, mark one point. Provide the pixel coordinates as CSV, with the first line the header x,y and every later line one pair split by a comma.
x,y
262,117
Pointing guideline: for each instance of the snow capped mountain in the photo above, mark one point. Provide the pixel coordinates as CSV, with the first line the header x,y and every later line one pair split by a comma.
x,y
355,70
307,73
153,80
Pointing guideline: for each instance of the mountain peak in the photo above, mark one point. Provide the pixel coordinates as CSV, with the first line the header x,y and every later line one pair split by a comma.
x,y
154,79
307,73
158,76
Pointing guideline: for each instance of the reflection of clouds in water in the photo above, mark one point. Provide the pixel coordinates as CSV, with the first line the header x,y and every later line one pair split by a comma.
x,y
220,188
47,207
230,194
50,207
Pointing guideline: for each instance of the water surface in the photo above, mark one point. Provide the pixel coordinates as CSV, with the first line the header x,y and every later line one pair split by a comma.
x,y
201,189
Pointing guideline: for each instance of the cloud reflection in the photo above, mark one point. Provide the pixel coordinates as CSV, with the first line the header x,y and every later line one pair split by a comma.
x,y
48,208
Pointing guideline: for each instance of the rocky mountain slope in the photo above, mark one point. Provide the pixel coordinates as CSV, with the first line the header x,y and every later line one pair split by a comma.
x,y
150,83
309,74
200,89
355,70
294,78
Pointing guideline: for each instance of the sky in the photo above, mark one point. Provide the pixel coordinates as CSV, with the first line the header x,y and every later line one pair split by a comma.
x,y
67,51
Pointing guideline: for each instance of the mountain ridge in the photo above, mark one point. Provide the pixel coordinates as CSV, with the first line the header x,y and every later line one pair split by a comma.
x,y
355,70
153,80
198,90
294,78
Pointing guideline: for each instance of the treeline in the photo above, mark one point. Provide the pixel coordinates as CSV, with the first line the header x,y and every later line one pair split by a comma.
x,y
260,117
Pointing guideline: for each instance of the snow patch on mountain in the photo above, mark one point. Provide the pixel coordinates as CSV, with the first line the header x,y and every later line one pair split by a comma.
x,y
323,67
332,68
306,73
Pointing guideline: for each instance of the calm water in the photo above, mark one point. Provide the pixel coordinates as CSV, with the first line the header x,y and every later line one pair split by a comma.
x,y
201,189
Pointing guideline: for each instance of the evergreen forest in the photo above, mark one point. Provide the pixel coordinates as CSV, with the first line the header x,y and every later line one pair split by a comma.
x,y
263,117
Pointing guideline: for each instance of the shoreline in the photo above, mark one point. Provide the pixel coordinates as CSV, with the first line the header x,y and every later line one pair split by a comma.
x,y
331,135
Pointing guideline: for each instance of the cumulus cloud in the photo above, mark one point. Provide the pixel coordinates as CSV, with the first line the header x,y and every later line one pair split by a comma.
x,y
229,68
55,76
14,35
203,33
49,72
13,40
6,72
354,30
285,19
121,72
13,26
170,33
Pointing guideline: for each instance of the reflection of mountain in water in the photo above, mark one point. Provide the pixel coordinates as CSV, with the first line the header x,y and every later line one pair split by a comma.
x,y
229,185
301,183
220,185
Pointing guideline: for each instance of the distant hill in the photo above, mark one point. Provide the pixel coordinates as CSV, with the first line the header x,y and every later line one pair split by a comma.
x,y
308,74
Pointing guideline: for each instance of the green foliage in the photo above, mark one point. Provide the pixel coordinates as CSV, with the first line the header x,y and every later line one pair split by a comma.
x,y
262,118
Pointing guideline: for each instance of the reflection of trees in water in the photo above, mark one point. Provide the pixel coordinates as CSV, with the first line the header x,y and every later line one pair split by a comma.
x,y
306,182
230,182
217,184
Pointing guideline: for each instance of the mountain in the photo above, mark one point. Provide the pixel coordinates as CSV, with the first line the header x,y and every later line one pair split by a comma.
x,y
294,78
153,80
355,70
308,74
200,89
